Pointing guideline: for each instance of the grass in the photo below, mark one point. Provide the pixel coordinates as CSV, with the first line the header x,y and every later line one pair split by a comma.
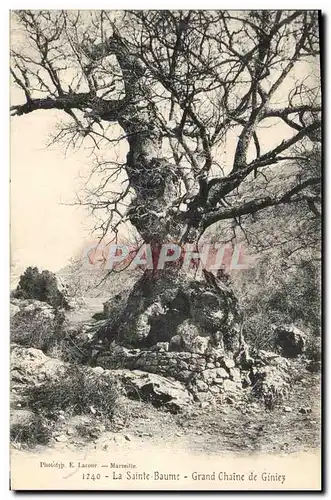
x,y
77,392
31,434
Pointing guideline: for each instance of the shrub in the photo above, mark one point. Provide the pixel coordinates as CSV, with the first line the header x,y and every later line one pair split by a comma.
x,y
29,429
271,294
313,350
38,327
76,391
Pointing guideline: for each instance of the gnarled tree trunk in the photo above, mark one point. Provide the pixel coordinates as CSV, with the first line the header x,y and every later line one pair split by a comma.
x,y
170,302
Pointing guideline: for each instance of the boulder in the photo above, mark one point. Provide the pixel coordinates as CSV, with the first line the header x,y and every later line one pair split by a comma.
x,y
289,340
162,346
14,309
271,383
175,343
160,391
31,366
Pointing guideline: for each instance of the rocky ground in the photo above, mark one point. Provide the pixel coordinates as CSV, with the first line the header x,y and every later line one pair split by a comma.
x,y
238,423
243,425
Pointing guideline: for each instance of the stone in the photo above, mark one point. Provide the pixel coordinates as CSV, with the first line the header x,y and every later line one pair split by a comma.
x,y
162,346
30,365
235,374
287,409
61,438
230,386
210,365
160,391
14,309
199,345
305,410
270,383
201,386
228,363
209,374
203,397
175,343
182,365
184,375
289,340
214,389
222,373
98,370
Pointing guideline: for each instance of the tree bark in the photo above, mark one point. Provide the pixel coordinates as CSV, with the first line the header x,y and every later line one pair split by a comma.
x,y
170,302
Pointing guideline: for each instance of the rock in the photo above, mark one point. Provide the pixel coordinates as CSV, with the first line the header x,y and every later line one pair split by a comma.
x,y
160,391
200,385
30,366
287,409
98,370
204,397
14,309
229,400
228,363
270,383
314,366
127,437
222,373
289,340
235,374
175,343
218,381
199,345
305,410
184,375
61,439
210,374
230,386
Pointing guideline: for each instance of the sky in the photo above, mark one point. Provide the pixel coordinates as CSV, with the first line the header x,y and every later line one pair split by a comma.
x,y
45,231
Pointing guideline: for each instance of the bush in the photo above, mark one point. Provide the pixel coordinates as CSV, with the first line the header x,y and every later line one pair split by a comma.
x,y
313,349
38,326
37,432
76,391
271,294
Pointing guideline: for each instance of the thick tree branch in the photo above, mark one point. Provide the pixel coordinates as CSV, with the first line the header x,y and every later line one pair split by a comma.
x,y
106,110
254,206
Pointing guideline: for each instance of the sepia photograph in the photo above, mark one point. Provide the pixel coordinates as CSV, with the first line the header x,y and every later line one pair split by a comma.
x,y
165,250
